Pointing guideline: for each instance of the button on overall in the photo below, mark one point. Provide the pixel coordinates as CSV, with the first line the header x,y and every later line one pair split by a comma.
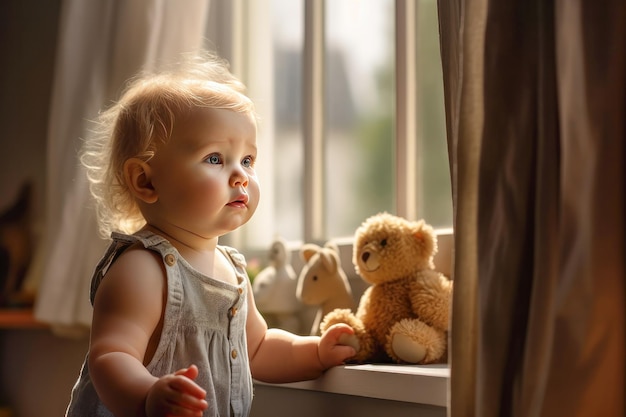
x,y
170,259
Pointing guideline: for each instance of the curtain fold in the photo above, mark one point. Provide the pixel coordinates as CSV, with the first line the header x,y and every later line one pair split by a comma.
x,y
462,30
100,45
536,105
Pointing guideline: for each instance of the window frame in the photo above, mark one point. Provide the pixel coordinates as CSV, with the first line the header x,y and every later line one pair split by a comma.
x,y
406,138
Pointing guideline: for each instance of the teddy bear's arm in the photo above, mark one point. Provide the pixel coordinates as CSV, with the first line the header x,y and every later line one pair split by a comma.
x,y
364,302
431,297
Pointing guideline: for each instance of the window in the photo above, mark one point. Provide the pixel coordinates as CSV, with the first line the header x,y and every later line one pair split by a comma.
x,y
350,95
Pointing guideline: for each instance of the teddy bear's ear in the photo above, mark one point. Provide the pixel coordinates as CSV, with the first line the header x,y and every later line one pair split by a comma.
x,y
418,230
308,250
426,236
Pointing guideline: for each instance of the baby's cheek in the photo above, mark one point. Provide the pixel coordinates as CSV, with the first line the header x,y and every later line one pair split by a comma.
x,y
254,194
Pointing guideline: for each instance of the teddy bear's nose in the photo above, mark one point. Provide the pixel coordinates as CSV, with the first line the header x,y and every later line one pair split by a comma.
x,y
365,256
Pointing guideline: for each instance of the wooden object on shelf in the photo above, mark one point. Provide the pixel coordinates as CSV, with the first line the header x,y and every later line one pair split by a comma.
x,y
19,319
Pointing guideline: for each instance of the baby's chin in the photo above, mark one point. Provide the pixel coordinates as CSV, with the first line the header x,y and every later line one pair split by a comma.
x,y
235,223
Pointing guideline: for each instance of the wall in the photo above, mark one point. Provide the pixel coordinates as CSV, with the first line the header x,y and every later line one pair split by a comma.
x,y
285,402
27,45
38,370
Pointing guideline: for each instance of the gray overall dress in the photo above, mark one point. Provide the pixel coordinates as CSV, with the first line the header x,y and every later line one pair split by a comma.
x,y
204,324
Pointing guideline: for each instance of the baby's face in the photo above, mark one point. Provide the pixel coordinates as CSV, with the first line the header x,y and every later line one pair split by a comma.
x,y
204,175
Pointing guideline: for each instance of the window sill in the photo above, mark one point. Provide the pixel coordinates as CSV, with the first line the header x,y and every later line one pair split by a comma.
x,y
418,384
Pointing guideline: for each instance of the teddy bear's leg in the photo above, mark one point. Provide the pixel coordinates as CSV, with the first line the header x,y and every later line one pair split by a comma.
x,y
406,349
413,341
361,341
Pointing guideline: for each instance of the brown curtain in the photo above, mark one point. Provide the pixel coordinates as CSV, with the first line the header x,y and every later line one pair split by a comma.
x,y
536,105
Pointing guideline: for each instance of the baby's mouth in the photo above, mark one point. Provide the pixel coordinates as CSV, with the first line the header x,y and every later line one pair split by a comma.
x,y
241,200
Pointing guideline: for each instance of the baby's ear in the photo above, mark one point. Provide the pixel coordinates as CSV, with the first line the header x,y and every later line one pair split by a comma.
x,y
138,178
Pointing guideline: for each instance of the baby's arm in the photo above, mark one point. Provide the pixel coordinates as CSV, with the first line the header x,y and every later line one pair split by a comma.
x,y
278,356
127,312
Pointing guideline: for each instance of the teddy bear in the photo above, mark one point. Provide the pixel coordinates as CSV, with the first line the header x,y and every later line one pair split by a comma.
x,y
403,316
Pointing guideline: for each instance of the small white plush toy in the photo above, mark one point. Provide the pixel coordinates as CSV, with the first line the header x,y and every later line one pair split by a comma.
x,y
274,290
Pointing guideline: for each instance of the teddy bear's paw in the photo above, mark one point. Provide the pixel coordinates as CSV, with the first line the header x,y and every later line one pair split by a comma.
x,y
350,340
407,349
366,348
340,315
413,341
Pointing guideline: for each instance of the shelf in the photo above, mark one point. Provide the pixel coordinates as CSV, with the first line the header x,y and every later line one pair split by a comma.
x,y
420,384
19,319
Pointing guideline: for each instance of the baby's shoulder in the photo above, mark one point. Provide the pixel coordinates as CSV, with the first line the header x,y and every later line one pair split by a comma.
x,y
135,271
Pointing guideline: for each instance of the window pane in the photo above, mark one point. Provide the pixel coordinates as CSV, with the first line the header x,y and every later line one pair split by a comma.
x,y
436,201
359,112
288,29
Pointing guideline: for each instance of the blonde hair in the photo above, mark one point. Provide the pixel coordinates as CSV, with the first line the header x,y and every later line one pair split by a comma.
x,y
142,120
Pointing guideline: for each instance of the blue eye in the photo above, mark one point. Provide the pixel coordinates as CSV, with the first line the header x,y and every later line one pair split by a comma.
x,y
213,159
247,161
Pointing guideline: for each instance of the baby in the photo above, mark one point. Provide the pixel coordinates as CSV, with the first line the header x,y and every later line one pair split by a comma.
x,y
175,329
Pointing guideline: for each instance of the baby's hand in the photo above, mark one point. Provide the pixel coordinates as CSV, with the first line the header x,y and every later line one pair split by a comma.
x,y
332,349
176,395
